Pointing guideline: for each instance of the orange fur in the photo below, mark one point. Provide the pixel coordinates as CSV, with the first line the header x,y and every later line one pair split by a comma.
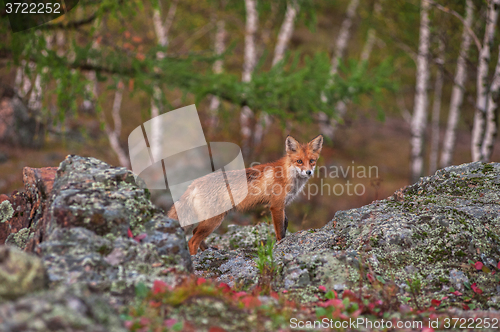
x,y
276,184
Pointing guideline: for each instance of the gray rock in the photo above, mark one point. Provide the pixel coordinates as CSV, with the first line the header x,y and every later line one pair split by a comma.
x,y
424,231
457,279
63,309
92,210
20,273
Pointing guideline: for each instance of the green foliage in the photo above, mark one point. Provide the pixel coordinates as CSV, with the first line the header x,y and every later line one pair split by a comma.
x,y
141,290
265,260
290,90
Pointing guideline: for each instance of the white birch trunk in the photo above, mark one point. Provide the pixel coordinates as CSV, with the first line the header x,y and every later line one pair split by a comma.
x,y
457,94
249,62
491,115
91,88
286,31
283,39
22,81
482,81
35,100
326,125
371,35
161,31
220,46
436,110
114,134
419,118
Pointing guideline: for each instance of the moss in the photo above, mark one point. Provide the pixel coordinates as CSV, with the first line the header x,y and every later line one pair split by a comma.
x,y
488,168
6,211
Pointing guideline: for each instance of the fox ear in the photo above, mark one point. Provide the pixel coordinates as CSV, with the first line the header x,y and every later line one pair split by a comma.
x,y
291,144
316,144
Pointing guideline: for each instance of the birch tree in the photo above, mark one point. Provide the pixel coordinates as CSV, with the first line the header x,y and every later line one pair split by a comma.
x,y
112,134
436,108
479,126
161,30
91,86
326,125
219,46
284,36
492,115
419,117
249,62
457,94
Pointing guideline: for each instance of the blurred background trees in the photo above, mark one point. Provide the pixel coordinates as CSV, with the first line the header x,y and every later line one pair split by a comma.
x,y
257,71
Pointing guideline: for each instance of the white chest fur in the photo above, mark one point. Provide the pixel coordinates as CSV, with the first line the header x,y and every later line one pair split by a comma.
x,y
297,184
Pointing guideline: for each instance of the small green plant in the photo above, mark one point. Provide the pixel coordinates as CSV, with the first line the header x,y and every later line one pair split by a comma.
x,y
415,286
265,263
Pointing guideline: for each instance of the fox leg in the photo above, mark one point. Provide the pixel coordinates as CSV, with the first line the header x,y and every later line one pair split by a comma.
x,y
202,231
279,220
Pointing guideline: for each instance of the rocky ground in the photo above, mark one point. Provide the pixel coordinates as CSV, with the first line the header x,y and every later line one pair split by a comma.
x,y
86,250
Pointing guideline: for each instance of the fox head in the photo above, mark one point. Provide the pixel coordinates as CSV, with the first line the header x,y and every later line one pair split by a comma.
x,y
303,157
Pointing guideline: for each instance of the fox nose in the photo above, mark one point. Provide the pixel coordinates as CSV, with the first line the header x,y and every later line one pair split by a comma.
x,y
309,173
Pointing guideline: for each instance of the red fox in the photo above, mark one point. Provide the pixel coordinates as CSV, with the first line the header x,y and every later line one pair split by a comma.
x,y
275,184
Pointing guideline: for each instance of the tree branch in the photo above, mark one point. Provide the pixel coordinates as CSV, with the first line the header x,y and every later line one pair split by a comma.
x,y
69,25
457,15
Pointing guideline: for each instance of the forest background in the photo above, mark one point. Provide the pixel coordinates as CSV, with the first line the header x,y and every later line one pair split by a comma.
x,y
405,86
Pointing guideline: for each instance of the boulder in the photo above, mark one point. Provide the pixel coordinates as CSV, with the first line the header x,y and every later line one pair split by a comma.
x,y
20,273
93,224
68,309
434,230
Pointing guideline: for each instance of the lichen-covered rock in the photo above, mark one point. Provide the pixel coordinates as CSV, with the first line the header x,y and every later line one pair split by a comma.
x,y
98,227
20,273
233,267
244,237
62,309
6,211
15,211
431,231
234,261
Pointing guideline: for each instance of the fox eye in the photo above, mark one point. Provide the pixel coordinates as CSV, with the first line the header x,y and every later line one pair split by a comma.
x,y
312,161
299,162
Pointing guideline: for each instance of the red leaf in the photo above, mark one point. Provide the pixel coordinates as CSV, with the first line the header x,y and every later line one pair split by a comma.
x,y
435,302
322,288
370,277
154,304
200,281
159,286
284,291
144,321
249,301
465,307
333,302
476,289
498,265
478,265
141,236
216,329
169,322
225,287
239,294
129,233
457,293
